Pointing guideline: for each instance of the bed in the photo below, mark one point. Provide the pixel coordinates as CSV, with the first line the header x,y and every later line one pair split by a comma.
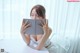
x,y
61,44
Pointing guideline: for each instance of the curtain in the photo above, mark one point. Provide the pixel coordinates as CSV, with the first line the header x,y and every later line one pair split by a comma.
x,y
63,17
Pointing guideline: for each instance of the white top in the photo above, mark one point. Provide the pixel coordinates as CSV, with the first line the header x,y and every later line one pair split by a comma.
x,y
34,43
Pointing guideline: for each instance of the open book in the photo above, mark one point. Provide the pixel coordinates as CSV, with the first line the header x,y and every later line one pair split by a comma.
x,y
35,26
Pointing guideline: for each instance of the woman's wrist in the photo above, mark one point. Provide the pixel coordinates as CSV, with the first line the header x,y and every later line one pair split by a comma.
x,y
27,44
37,48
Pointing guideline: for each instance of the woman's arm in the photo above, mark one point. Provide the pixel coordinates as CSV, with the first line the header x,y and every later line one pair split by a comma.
x,y
43,40
47,33
26,38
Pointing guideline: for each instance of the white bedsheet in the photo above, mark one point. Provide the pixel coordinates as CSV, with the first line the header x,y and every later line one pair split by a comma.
x,y
18,46
60,45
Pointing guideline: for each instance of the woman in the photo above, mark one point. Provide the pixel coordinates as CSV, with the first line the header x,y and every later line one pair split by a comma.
x,y
37,12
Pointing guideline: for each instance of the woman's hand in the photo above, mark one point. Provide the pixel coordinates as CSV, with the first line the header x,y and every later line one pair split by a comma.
x,y
46,28
24,26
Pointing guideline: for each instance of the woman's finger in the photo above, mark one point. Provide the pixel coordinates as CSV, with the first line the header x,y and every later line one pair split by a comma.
x,y
25,26
41,24
46,23
28,25
25,23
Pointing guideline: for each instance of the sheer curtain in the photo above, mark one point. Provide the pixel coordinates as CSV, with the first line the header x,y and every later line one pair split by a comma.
x,y
63,16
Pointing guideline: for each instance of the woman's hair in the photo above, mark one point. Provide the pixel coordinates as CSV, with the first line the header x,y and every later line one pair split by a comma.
x,y
40,10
